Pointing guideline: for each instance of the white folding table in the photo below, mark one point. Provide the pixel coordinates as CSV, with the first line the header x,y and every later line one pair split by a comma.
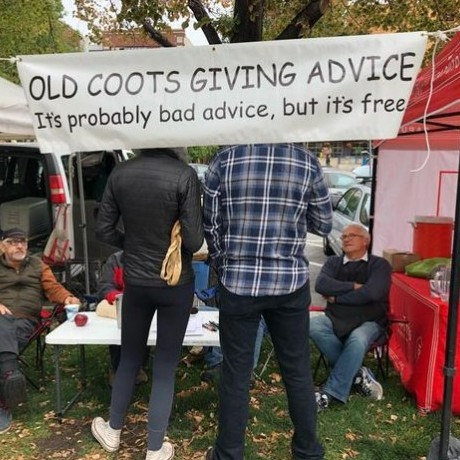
x,y
104,331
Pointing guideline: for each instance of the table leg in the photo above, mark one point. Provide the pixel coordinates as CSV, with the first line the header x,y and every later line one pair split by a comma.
x,y
82,366
57,364
60,411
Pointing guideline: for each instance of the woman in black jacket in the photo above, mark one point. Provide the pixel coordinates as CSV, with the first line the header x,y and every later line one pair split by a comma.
x,y
150,193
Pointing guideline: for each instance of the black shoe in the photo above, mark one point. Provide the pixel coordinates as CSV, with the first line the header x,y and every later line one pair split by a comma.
x,y
212,375
14,388
209,454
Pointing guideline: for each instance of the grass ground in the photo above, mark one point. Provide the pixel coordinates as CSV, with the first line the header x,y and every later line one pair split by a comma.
x,y
390,429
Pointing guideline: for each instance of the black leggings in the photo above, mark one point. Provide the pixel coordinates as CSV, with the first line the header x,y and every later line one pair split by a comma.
x,y
139,305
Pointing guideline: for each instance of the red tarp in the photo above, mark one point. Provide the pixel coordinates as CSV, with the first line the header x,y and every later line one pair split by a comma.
x,y
418,343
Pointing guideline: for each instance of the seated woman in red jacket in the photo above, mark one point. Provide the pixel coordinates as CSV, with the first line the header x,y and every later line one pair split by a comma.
x,y
109,287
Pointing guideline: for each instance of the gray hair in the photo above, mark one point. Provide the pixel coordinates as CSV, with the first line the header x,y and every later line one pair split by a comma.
x,y
363,230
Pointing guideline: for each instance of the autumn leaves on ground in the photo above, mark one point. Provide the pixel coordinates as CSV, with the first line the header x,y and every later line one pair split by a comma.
x,y
390,429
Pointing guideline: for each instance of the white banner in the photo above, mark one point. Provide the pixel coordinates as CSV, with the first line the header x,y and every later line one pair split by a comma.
x,y
325,89
14,113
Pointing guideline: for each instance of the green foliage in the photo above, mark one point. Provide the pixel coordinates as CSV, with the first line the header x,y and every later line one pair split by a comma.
x,y
278,14
129,14
32,27
373,16
202,154
344,17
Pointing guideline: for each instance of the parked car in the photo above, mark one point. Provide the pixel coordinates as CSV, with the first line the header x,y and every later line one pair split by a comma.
x,y
33,185
338,181
352,208
200,169
363,172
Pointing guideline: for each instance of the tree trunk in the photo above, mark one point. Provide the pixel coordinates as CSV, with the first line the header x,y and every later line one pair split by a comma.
x,y
248,16
310,15
157,36
202,17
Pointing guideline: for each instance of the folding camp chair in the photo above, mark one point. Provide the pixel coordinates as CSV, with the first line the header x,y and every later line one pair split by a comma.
x,y
37,339
267,338
379,348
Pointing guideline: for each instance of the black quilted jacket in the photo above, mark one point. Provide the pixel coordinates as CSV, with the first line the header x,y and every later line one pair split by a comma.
x,y
150,192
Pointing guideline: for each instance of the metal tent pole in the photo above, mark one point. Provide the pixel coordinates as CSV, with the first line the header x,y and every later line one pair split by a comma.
x,y
451,341
373,163
83,222
441,451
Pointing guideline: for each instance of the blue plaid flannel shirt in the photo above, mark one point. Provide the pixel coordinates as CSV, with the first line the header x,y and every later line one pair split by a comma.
x,y
259,202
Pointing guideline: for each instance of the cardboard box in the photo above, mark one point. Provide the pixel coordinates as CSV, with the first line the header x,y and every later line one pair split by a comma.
x,y
399,259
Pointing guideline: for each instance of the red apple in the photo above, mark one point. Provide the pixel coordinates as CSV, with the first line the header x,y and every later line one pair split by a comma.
x,y
80,319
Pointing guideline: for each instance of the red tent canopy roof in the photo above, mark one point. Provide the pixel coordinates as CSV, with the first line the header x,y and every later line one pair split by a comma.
x,y
444,106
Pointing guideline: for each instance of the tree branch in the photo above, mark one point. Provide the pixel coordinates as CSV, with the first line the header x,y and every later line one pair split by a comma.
x,y
310,15
202,16
157,36
248,15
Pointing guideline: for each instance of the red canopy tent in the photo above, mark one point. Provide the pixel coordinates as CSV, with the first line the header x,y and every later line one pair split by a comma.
x,y
428,190
443,110
434,107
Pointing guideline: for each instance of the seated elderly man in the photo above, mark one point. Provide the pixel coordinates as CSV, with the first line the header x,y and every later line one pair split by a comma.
x,y
356,286
23,281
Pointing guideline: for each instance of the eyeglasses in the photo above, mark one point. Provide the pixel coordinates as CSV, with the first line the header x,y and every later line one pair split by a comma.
x,y
350,236
15,242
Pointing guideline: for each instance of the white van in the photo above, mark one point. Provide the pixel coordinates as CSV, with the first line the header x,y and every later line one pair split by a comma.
x,y
34,185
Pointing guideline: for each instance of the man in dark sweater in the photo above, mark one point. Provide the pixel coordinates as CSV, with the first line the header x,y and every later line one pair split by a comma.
x,y
356,287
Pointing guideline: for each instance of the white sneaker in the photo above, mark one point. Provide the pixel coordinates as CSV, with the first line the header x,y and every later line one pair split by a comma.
x,y
165,453
107,437
367,385
322,401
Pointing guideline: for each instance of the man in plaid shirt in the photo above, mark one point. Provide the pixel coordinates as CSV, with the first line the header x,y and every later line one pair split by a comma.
x,y
259,202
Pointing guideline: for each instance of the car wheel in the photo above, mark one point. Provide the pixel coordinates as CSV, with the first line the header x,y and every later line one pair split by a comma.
x,y
328,251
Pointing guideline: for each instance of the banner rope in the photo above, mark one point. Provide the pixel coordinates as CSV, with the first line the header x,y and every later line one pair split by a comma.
x,y
439,36
11,60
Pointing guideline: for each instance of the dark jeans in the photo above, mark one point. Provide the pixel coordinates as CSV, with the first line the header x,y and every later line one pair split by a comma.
x,y
14,333
287,319
173,305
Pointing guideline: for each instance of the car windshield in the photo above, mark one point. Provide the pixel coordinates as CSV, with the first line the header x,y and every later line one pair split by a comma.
x,y
341,181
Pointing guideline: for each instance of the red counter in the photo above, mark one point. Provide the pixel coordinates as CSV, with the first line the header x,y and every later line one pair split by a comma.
x,y
418,345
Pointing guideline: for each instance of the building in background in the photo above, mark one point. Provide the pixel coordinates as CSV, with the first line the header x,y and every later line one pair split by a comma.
x,y
136,39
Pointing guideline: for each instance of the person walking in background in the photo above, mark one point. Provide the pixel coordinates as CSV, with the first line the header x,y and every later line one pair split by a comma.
x,y
111,285
356,287
150,193
326,153
259,202
24,281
